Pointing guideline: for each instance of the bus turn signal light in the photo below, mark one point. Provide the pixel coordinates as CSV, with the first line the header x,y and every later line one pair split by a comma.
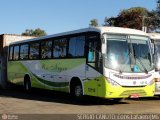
x,y
157,80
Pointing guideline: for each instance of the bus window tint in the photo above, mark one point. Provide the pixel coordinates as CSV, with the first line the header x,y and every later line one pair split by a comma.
x,y
46,48
59,50
76,46
91,54
16,53
34,51
24,52
10,53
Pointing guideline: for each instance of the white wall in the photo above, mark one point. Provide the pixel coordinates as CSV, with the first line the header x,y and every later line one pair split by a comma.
x,y
13,38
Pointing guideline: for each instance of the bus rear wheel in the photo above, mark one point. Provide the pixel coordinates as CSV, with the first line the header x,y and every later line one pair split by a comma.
x,y
27,83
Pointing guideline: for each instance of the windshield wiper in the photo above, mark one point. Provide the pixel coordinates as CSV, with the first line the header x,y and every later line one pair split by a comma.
x,y
145,69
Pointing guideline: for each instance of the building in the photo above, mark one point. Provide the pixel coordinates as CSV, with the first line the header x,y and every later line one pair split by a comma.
x,y
5,40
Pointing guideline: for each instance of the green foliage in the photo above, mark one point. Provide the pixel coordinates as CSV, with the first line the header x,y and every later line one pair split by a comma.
x,y
154,21
109,21
130,18
158,7
37,32
135,17
94,23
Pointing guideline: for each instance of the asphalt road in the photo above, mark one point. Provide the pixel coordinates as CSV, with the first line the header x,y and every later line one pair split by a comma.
x,y
17,101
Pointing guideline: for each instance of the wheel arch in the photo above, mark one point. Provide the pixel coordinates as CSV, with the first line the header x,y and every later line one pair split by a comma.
x,y
74,81
27,77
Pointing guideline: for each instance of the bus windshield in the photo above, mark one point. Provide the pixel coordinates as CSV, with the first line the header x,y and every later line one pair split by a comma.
x,y
128,53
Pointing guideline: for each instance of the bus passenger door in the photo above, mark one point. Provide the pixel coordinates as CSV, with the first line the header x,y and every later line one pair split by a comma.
x,y
92,67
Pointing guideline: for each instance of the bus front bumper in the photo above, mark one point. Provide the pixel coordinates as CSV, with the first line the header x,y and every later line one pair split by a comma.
x,y
157,89
130,92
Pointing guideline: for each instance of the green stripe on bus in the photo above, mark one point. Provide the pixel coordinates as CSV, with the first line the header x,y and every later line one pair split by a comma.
x,y
52,84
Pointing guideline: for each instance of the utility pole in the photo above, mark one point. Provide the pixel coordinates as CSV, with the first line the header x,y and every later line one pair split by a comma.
x,y
144,27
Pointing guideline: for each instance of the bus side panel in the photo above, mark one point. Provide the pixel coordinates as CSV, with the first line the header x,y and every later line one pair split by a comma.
x,y
95,87
16,72
47,74
56,74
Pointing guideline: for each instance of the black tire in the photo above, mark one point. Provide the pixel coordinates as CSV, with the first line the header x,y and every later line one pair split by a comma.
x,y
117,100
27,84
78,91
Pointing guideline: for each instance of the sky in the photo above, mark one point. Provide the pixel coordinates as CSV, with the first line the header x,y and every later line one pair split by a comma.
x,y
55,16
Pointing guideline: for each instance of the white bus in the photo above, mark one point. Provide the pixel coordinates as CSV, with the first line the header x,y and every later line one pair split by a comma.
x,y
155,37
107,62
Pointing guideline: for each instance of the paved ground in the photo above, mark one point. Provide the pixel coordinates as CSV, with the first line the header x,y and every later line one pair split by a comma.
x,y
17,101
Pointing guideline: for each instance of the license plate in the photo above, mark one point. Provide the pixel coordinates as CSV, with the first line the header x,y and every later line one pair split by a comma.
x,y
134,96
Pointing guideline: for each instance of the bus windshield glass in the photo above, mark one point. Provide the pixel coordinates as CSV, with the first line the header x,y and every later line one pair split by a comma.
x,y
128,53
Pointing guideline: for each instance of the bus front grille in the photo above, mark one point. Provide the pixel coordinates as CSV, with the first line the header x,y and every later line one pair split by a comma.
x,y
132,77
130,92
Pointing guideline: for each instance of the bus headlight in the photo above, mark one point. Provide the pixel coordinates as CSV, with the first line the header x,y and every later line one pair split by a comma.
x,y
157,79
158,64
151,82
112,82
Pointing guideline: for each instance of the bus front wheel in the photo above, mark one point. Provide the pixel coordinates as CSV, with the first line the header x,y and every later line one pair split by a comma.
x,y
117,100
78,92
76,89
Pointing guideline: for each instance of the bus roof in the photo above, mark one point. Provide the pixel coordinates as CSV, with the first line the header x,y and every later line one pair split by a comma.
x,y
101,30
154,36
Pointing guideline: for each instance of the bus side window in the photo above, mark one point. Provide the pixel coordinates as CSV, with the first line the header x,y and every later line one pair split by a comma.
x,y
76,46
24,52
16,53
91,53
34,51
11,53
94,58
46,49
60,48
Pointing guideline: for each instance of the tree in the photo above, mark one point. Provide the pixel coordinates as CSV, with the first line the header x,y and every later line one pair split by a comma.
x,y
154,21
158,7
131,18
109,21
94,23
37,32
137,17
156,17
